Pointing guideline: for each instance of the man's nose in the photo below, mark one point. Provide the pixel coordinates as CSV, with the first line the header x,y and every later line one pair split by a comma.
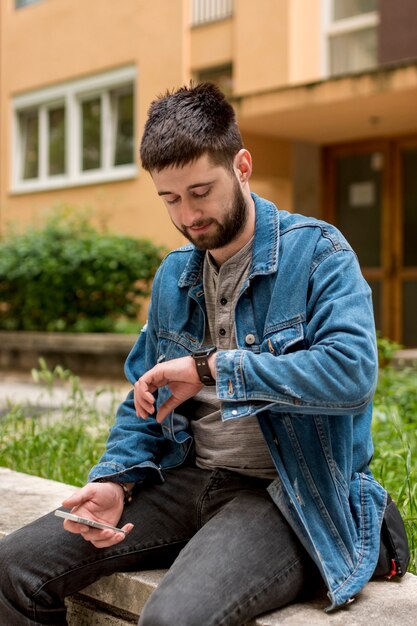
x,y
189,212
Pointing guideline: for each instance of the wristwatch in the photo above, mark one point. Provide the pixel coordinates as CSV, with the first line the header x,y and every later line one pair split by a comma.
x,y
203,370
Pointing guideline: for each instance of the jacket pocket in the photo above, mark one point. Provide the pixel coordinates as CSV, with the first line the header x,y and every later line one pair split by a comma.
x,y
284,338
174,346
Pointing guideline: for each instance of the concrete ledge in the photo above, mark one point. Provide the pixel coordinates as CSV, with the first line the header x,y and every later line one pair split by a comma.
x,y
94,354
91,354
405,358
118,600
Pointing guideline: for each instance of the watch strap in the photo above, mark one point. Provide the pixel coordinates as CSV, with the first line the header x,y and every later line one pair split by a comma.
x,y
203,369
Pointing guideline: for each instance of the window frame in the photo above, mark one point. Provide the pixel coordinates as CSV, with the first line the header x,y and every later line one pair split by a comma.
x,y
71,94
204,12
344,26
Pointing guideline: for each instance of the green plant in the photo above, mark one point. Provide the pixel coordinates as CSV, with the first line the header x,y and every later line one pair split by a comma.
x,y
394,431
386,349
68,276
60,447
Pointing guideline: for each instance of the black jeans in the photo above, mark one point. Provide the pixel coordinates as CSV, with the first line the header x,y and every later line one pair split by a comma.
x,y
230,552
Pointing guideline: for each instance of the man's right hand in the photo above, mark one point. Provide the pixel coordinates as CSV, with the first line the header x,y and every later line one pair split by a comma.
x,y
102,502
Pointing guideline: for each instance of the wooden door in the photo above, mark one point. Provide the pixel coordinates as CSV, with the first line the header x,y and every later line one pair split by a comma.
x,y
371,195
357,184
405,245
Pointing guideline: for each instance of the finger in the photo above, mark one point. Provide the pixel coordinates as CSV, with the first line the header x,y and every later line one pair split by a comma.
x,y
112,541
78,498
144,411
107,538
143,399
167,408
144,390
75,527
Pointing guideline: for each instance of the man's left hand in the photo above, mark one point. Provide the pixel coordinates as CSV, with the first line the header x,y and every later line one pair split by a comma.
x,y
182,379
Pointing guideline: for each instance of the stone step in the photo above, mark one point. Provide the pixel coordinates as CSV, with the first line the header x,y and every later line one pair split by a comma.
x,y
117,600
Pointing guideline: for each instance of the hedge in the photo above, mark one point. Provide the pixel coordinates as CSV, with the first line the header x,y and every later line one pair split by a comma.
x,y
70,276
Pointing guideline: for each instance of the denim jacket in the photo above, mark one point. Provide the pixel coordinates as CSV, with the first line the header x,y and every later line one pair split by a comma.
x,y
306,365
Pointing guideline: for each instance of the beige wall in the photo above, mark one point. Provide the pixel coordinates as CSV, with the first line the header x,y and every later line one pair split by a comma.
x,y
58,40
211,45
272,169
261,45
271,43
304,41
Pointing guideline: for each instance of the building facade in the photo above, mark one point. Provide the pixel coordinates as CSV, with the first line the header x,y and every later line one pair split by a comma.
x,y
325,92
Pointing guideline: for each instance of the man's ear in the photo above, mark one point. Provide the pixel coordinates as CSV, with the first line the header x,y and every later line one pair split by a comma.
x,y
243,165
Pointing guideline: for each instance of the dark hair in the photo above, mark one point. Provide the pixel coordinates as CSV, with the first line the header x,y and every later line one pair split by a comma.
x,y
183,125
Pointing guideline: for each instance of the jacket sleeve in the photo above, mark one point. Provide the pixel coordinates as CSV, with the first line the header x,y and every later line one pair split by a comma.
x,y
134,445
335,372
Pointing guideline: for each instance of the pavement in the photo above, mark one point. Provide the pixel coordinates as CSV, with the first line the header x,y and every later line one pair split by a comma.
x,y
17,388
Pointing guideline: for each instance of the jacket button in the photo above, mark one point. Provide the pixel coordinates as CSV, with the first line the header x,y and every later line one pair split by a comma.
x,y
222,332
223,301
250,339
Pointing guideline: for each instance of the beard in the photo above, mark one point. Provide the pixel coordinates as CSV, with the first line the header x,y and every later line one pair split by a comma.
x,y
233,223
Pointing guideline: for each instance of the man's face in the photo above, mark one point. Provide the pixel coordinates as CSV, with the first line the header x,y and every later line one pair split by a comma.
x,y
204,202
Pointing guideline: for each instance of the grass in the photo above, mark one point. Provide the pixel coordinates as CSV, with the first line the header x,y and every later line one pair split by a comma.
x,y
61,449
65,449
394,432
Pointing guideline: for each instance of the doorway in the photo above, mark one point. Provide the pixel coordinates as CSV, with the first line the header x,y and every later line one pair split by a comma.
x,y
371,195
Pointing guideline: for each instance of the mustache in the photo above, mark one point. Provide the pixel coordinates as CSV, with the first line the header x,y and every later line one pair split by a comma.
x,y
199,223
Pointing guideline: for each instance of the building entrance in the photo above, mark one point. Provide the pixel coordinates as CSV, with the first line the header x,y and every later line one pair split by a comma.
x,y
371,195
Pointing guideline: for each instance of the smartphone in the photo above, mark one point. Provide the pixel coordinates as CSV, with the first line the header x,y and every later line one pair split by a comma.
x,y
88,522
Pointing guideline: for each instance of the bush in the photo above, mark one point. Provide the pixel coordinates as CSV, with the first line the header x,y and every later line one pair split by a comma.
x,y
68,276
386,349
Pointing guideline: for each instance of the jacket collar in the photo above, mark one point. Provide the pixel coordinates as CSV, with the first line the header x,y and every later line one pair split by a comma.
x,y
265,246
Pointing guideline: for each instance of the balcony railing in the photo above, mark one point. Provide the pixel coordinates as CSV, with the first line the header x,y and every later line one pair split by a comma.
x,y
204,11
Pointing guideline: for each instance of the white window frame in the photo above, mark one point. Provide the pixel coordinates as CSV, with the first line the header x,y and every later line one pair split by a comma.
x,y
71,94
207,11
332,28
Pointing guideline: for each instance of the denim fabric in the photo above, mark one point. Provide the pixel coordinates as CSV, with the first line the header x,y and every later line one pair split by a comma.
x,y
238,556
309,376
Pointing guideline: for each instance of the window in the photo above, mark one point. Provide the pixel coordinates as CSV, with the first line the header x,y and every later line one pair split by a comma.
x,y
221,76
23,3
29,140
91,134
351,35
56,141
123,131
77,133
204,11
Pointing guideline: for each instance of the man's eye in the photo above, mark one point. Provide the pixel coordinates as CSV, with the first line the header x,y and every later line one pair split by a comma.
x,y
201,195
172,201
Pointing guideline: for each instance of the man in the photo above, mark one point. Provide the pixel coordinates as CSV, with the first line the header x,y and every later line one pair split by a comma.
x,y
245,446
